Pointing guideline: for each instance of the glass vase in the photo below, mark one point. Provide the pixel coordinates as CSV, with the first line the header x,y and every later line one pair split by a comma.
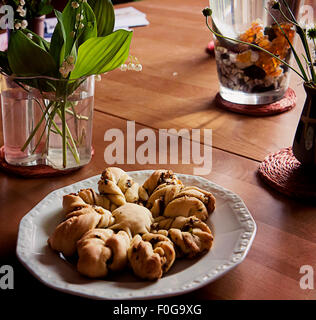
x,y
47,121
248,75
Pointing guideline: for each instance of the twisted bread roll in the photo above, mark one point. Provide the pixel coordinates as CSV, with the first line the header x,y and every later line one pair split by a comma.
x,y
118,186
156,179
190,235
182,223
84,217
206,197
191,201
91,197
72,201
133,219
101,250
151,255
177,200
161,197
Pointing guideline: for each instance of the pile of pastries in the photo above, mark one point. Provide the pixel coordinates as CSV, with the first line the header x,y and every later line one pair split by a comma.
x,y
127,225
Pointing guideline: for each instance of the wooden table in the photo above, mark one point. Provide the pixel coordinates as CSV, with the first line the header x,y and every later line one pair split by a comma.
x,y
176,89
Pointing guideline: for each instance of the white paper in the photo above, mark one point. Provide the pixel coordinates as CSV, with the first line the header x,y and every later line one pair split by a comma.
x,y
125,18
129,17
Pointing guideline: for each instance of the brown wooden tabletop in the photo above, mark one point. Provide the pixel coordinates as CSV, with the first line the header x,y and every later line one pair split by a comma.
x,y
176,89
178,85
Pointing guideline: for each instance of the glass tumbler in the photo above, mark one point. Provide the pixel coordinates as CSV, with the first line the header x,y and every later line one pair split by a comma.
x,y
248,75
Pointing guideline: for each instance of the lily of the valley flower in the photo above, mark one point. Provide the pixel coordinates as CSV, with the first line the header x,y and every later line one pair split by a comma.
x,y
79,17
24,24
75,4
123,67
138,67
21,11
17,25
67,66
132,65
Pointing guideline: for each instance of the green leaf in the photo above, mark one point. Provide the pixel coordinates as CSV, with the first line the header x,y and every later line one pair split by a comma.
x,y
90,24
37,39
57,44
44,9
26,58
68,20
105,17
102,54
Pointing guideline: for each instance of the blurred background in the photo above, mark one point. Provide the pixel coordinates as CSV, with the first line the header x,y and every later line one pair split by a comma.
x,y
60,4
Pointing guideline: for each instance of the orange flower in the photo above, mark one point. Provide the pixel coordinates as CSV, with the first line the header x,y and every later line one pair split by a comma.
x,y
279,46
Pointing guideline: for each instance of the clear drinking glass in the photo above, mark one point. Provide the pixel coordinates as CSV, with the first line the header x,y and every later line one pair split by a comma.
x,y
248,75
33,109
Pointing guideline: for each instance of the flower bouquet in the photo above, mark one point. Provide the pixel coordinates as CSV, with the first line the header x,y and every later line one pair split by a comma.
x,y
48,88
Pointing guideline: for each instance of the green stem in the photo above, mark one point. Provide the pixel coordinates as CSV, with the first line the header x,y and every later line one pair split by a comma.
x,y
51,121
308,53
58,131
64,137
69,135
286,18
298,60
75,117
302,35
35,129
41,137
78,116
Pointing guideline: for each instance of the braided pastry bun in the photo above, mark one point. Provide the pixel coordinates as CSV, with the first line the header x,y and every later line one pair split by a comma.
x,y
84,217
190,235
91,197
118,186
206,197
151,255
101,250
161,197
72,201
191,201
156,179
133,219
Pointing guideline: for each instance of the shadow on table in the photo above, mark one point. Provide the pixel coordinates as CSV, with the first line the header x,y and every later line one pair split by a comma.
x,y
65,269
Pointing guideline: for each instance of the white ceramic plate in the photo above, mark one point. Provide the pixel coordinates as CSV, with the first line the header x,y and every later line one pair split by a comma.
x,y
232,224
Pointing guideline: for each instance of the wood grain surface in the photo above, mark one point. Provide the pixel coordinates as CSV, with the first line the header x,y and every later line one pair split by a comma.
x,y
176,90
178,84
284,242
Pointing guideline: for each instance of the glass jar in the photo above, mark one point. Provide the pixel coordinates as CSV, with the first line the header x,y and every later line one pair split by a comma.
x,y
248,75
47,121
